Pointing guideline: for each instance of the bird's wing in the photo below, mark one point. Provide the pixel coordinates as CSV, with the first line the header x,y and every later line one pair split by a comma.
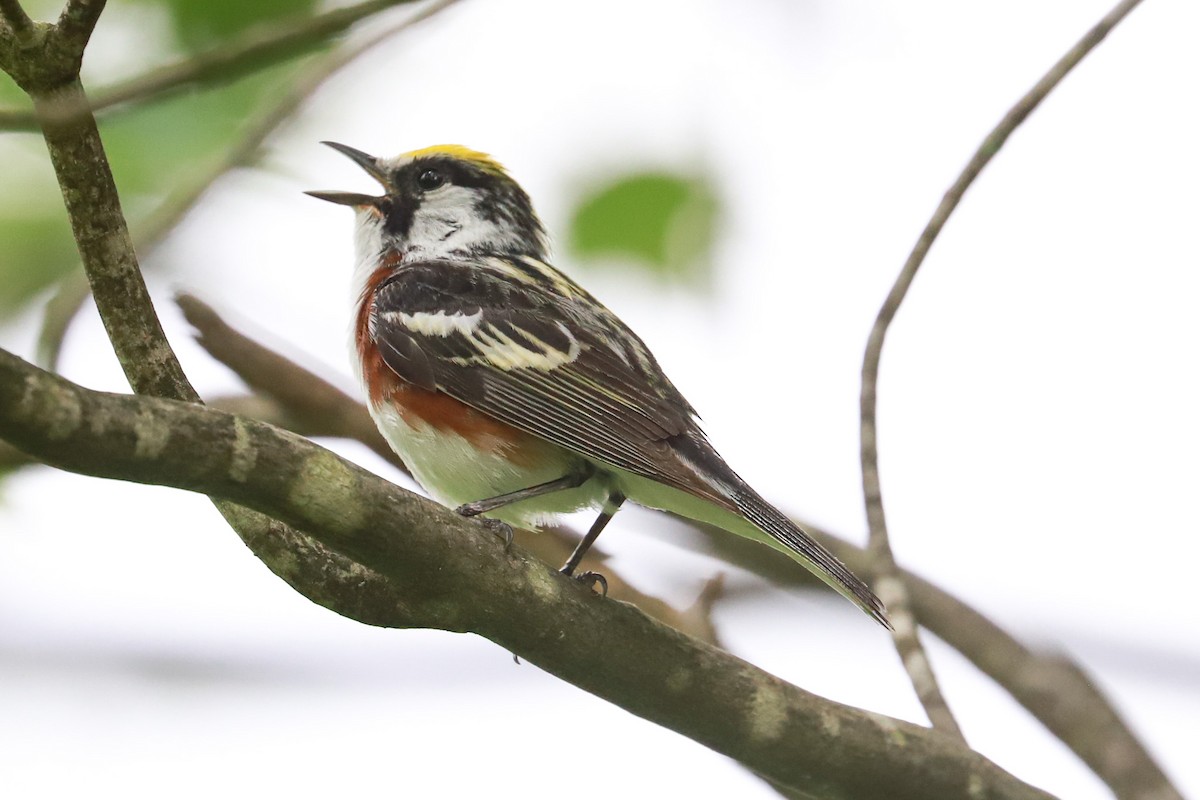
x,y
521,343
528,355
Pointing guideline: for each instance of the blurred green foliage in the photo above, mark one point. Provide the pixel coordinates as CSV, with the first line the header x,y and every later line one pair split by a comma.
x,y
153,148
663,221
11,94
200,24
36,249
657,220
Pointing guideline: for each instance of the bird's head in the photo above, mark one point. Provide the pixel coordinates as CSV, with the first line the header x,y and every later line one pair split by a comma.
x,y
445,201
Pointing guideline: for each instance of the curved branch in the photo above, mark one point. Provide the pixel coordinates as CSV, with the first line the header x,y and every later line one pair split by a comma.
x,y
1048,685
14,16
106,249
889,583
1052,688
78,20
449,573
294,398
128,314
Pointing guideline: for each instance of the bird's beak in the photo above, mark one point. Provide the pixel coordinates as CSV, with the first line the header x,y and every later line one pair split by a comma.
x,y
369,163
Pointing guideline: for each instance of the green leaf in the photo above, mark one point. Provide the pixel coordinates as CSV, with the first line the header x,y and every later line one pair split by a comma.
x,y
201,24
664,221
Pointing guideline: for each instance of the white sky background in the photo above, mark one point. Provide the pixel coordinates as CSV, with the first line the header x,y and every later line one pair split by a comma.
x,y
1037,404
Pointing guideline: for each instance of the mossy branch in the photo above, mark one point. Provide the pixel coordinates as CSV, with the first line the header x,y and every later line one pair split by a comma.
x,y
435,569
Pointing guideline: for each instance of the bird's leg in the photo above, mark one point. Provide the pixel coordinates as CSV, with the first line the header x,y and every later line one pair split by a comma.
x,y
571,480
610,507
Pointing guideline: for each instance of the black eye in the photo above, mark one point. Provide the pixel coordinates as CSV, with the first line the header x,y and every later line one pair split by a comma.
x,y
430,179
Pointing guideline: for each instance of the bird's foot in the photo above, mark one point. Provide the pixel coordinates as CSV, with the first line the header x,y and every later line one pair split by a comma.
x,y
591,580
496,526
501,529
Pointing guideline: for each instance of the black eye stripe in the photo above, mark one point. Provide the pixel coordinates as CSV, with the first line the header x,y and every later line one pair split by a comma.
x,y
450,170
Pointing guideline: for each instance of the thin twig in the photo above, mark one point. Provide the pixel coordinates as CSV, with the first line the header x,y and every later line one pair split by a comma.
x,y
253,50
59,312
889,584
78,20
14,15
73,290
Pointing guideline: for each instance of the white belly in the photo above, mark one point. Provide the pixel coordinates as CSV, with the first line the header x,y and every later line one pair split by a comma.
x,y
454,472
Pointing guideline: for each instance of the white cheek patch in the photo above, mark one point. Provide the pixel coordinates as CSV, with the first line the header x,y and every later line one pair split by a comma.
x,y
447,222
440,217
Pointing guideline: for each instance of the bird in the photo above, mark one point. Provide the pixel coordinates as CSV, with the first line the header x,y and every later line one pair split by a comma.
x,y
506,388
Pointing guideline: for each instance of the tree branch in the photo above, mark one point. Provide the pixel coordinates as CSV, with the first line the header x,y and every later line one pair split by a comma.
x,y
107,252
128,314
447,572
11,458
14,16
78,20
259,47
283,553
1049,686
319,407
889,583
1053,688
290,396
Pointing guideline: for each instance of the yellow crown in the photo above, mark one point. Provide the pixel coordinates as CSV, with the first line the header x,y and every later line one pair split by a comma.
x,y
481,160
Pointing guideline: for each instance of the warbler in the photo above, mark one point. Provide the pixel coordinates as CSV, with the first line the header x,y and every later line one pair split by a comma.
x,y
506,388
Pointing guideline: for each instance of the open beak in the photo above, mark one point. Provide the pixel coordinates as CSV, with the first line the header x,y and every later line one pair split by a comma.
x,y
369,163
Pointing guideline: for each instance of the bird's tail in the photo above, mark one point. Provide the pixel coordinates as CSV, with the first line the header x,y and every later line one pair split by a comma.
x,y
722,498
805,549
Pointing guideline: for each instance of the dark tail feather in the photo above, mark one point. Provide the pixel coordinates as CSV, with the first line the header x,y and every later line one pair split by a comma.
x,y
720,485
820,561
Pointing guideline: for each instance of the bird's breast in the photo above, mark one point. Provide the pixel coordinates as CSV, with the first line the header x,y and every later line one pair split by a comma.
x,y
456,452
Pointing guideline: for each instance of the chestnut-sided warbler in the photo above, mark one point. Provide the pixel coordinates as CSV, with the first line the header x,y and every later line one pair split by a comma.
x,y
506,388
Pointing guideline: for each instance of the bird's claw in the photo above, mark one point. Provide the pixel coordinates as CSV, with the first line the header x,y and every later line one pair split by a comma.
x,y
592,580
501,529
496,526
